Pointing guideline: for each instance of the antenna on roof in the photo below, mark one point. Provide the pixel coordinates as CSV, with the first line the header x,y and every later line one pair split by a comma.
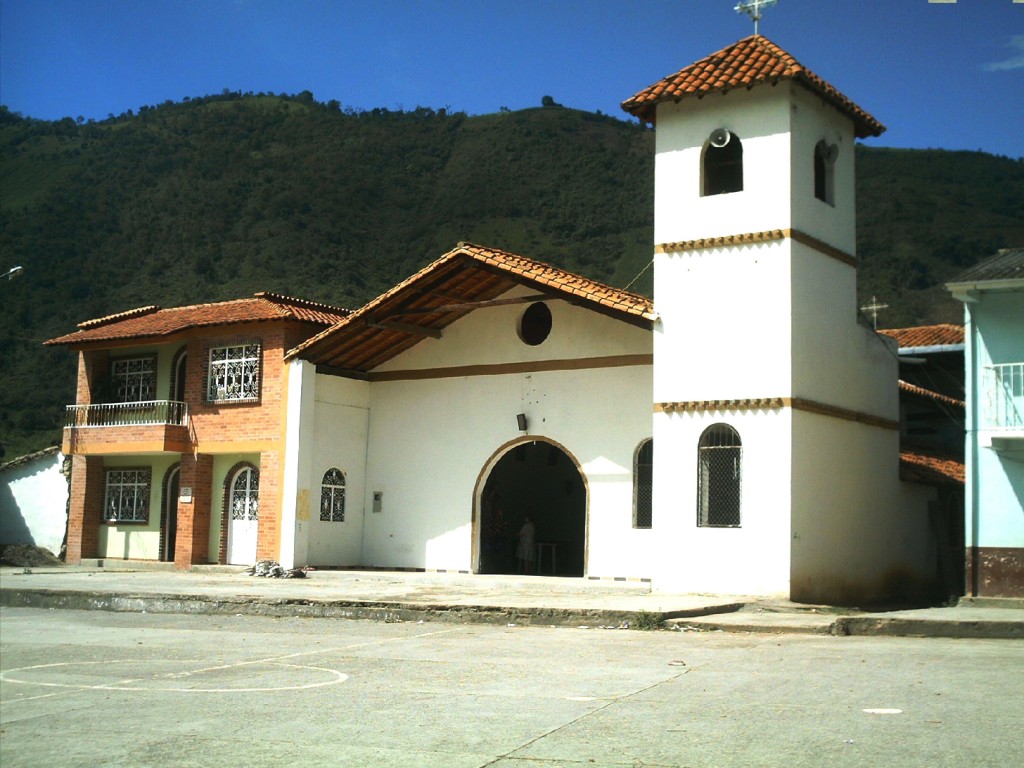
x,y
873,309
753,9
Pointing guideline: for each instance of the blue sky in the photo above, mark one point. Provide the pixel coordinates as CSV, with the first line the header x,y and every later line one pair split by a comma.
x,y
939,75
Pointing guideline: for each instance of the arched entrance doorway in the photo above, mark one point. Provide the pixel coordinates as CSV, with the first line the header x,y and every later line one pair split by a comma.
x,y
540,480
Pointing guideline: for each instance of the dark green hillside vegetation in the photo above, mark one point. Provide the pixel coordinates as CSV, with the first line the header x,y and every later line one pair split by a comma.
x,y
923,216
223,196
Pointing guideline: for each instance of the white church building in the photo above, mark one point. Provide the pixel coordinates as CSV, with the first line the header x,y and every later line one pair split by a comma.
x,y
739,434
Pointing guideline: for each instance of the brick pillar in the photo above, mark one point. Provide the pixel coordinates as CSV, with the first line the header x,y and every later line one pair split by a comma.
x,y
85,509
192,544
268,543
92,375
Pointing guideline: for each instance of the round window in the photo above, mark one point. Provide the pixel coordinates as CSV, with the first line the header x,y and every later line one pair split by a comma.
x,y
535,324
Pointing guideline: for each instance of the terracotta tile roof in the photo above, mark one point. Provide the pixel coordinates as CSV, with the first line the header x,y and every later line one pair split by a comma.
x,y
946,334
929,466
447,289
152,321
913,389
752,61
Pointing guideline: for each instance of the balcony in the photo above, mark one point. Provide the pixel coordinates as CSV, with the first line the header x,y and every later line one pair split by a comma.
x,y
151,426
1003,402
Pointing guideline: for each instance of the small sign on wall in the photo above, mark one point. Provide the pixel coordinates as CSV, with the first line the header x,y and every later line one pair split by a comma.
x,y
185,495
378,501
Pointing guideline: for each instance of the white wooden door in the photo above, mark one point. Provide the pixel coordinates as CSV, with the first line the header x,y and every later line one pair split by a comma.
x,y
243,517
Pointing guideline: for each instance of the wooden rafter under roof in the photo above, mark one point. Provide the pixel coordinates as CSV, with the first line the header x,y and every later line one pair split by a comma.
x,y
465,279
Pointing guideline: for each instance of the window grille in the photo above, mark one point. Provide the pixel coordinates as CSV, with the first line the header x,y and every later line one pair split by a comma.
x,y
332,496
133,380
127,495
723,168
719,457
234,373
643,476
245,495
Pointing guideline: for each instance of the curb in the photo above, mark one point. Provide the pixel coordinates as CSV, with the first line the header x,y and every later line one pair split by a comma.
x,y
343,609
902,627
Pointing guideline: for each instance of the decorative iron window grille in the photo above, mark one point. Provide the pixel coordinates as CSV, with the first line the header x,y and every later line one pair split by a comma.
x,y
719,457
643,477
133,380
245,495
127,496
332,496
234,373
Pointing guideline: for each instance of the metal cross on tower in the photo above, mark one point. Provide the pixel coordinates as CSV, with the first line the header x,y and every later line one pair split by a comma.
x,y
873,309
753,9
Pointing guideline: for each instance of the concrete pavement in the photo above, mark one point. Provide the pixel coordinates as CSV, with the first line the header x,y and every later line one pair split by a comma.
x,y
399,596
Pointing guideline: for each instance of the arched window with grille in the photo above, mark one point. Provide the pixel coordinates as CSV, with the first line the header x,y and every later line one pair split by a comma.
x,y
719,459
332,496
643,476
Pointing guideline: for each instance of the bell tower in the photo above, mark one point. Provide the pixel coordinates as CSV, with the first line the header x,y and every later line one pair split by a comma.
x,y
766,388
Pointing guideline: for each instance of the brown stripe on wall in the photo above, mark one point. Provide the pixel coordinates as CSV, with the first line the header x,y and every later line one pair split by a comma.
x,y
775,403
499,369
752,238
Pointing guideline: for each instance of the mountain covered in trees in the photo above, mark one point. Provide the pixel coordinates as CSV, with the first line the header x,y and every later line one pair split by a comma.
x,y
222,196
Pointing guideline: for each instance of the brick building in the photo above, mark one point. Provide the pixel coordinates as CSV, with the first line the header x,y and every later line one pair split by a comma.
x,y
177,431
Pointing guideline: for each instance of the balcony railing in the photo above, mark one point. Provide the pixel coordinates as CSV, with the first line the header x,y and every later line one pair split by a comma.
x,y
166,412
1004,396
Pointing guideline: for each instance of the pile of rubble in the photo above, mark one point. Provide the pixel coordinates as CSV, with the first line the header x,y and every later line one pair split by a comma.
x,y
27,556
272,569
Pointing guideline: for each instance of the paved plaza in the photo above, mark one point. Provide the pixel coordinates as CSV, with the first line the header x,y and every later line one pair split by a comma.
x,y
97,688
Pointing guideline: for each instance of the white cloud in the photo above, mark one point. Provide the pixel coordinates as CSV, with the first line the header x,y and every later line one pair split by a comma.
x,y
1015,61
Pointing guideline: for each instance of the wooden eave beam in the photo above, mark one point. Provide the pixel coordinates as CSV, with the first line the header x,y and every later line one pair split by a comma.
x,y
471,305
396,325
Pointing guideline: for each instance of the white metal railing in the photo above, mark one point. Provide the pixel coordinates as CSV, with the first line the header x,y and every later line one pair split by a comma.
x,y
1004,396
168,412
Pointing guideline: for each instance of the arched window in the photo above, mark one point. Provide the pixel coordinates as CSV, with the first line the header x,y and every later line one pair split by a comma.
x,y
719,455
722,163
332,496
643,475
824,172
245,494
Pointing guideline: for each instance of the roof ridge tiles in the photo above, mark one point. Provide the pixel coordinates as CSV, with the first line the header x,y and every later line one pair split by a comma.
x,y
118,316
280,298
751,61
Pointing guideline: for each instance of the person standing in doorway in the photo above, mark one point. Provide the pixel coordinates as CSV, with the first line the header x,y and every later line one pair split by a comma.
x,y
525,551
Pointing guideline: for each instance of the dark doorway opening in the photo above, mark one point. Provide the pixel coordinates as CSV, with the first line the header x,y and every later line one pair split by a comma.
x,y
170,532
539,480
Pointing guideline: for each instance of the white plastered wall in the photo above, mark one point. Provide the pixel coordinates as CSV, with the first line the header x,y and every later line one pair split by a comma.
x,y
752,559
431,440
328,419
774,319
858,532
33,503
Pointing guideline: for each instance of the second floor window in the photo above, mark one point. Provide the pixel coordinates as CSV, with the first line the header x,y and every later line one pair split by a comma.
x,y
133,380
234,373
